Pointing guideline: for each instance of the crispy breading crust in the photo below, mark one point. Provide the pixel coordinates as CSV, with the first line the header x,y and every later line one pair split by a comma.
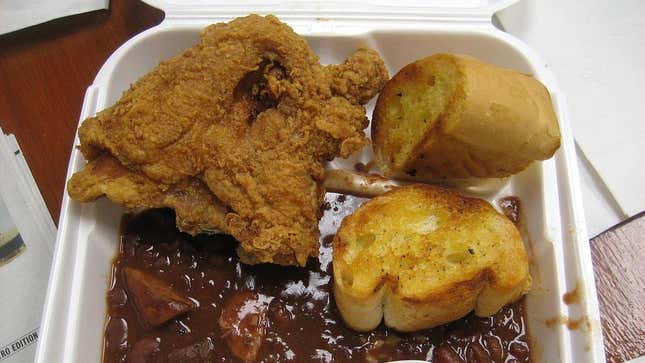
x,y
250,113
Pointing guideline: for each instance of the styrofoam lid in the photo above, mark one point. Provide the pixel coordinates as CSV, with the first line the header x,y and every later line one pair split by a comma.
x,y
335,9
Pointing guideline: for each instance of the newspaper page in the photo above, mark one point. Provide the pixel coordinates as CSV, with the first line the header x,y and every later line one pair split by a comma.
x,y
27,235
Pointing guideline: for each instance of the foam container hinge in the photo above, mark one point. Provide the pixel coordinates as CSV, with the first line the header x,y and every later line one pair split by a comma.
x,y
554,230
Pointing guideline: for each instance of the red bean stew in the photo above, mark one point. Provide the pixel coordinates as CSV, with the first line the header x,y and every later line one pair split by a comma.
x,y
177,298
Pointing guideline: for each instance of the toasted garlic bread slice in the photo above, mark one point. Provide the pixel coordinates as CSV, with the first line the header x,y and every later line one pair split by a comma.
x,y
420,256
454,116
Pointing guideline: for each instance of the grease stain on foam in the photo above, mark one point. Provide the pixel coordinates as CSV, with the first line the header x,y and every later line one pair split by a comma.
x,y
583,323
537,348
573,296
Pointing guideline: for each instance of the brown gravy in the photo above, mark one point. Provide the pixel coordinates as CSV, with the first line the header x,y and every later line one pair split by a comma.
x,y
302,322
511,207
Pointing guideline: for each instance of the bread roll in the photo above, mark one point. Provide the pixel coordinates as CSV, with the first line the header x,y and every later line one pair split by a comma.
x,y
420,256
453,116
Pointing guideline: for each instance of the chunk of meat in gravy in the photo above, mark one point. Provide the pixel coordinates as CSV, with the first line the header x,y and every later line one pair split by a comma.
x,y
445,354
477,354
194,353
243,324
144,350
154,300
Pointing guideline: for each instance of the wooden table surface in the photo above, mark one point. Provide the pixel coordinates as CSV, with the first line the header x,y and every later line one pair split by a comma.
x,y
45,69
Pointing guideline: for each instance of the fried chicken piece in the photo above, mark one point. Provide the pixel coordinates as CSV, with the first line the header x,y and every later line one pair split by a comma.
x,y
243,324
196,208
154,300
250,113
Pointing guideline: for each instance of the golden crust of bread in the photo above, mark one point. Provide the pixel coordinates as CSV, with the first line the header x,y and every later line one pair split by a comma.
x,y
420,256
455,116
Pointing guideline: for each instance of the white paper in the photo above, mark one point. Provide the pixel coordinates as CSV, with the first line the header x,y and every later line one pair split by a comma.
x,y
597,51
637,360
26,247
18,14
24,271
601,209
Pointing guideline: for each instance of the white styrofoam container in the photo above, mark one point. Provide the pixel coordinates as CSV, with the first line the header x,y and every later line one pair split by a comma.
x,y
555,233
